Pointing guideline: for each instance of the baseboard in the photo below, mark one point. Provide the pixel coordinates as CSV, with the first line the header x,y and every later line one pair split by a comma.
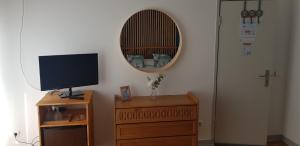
x,y
227,144
271,138
289,142
274,138
206,143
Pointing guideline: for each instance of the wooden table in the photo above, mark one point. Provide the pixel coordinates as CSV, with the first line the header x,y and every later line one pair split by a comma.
x,y
77,113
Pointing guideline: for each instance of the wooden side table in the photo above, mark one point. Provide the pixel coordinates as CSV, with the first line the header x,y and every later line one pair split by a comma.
x,y
64,122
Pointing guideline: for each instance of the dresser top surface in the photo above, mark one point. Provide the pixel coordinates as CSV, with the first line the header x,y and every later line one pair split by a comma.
x,y
54,99
160,101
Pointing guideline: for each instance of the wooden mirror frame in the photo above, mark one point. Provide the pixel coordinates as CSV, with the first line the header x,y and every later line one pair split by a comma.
x,y
178,47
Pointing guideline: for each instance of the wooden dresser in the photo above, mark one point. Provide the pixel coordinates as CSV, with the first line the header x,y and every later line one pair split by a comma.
x,y
170,120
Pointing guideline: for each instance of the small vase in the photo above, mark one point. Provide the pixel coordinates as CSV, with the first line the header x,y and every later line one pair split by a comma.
x,y
154,93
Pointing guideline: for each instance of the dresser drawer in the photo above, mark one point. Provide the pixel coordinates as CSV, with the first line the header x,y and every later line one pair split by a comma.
x,y
147,130
156,114
164,141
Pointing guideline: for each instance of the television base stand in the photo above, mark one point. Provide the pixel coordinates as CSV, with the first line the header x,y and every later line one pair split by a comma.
x,y
76,97
71,94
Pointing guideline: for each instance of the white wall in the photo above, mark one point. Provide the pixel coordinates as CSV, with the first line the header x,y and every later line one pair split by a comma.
x,y
76,26
292,113
6,128
11,82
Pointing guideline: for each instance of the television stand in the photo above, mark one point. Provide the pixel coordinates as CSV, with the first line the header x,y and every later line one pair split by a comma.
x,y
72,126
80,97
71,94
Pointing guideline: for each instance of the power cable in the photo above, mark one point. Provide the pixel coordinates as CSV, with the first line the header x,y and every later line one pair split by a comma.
x,y
20,47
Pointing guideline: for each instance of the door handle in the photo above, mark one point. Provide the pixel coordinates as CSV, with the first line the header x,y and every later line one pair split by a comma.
x,y
266,76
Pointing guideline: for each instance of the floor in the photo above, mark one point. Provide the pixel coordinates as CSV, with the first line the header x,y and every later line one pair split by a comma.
x,y
280,143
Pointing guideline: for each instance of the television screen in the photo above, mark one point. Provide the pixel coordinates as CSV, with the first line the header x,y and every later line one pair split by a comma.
x,y
67,71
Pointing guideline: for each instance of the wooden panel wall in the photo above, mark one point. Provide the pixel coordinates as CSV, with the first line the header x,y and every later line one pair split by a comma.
x,y
148,32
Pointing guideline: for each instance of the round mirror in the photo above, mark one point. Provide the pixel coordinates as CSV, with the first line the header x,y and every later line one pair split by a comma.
x,y
150,41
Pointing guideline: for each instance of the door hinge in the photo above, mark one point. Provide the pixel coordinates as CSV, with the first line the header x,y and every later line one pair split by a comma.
x,y
219,21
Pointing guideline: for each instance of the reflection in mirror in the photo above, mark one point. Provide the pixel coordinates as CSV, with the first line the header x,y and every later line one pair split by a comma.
x,y
150,40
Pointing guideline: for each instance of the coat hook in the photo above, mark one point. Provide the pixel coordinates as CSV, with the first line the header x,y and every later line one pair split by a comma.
x,y
259,12
245,12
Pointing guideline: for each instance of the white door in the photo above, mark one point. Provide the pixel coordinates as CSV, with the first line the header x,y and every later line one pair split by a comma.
x,y
242,98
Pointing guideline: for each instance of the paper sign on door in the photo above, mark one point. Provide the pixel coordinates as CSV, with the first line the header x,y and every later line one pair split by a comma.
x,y
248,34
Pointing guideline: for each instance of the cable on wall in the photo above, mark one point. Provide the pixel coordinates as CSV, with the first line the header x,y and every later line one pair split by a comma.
x,y
20,47
32,143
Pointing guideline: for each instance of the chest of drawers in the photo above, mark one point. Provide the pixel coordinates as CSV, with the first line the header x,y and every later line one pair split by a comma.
x,y
169,120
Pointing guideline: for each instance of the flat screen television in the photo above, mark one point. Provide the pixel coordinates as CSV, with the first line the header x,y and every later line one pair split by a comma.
x,y
68,71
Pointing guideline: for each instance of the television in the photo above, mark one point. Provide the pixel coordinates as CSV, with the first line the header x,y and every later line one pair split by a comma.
x,y
68,71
